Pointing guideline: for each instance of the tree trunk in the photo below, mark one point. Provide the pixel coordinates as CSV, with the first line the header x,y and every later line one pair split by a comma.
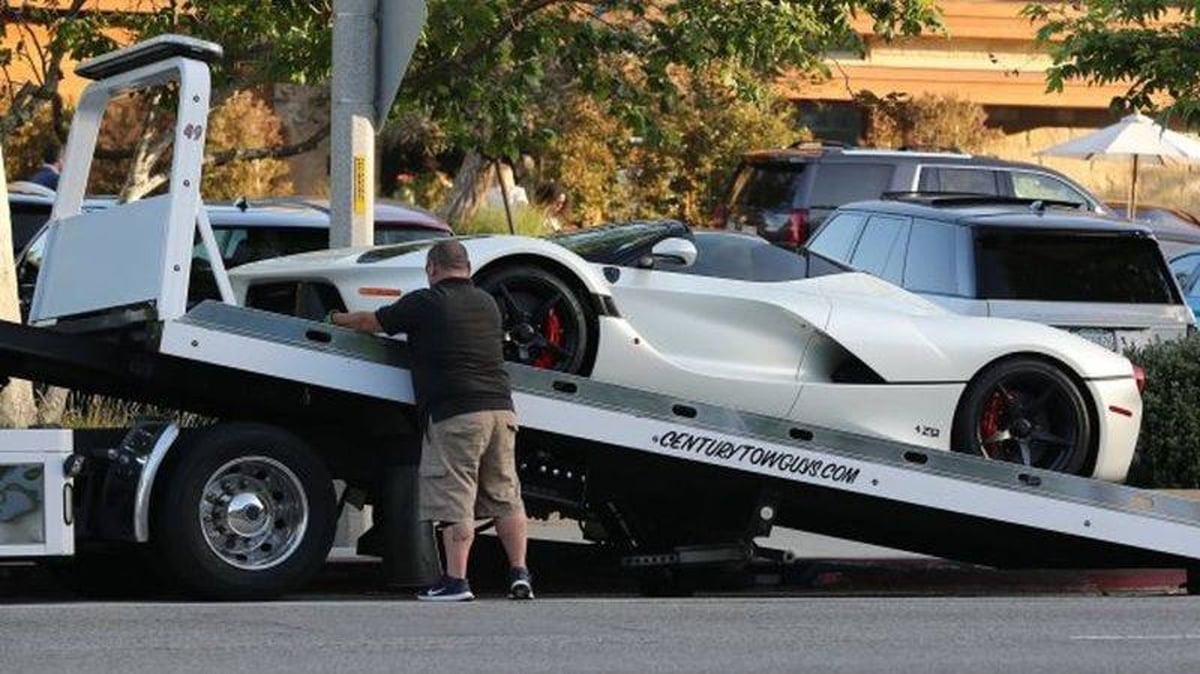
x,y
467,193
17,408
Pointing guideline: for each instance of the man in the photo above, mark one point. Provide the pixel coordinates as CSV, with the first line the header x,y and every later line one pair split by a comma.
x,y
468,468
47,175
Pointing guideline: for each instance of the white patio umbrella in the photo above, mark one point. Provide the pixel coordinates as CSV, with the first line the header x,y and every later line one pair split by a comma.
x,y
1135,137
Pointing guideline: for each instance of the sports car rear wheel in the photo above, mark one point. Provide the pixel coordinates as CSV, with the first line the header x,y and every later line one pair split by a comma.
x,y
545,324
1025,411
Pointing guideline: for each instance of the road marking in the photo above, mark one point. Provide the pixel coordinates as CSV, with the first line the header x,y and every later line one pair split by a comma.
x,y
1136,637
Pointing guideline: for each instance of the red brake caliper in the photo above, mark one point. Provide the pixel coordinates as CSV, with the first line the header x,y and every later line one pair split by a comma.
x,y
553,331
989,424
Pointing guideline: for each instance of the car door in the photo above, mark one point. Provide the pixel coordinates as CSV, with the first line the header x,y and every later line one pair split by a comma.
x,y
725,339
1186,270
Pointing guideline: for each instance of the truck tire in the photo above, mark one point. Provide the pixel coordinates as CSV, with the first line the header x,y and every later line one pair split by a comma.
x,y
246,511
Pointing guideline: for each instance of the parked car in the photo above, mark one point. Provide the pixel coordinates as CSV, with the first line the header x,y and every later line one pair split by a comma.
x,y
1186,268
1177,230
809,349
248,231
783,195
1096,276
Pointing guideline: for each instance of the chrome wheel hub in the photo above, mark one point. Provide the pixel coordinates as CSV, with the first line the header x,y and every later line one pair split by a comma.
x,y
253,512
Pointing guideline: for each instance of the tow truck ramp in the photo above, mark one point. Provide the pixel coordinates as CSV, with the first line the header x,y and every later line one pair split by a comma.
x,y
656,475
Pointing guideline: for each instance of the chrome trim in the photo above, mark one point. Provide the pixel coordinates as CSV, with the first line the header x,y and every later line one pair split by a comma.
x,y
145,486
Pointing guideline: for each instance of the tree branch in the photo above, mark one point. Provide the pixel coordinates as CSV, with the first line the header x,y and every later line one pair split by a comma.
x,y
280,152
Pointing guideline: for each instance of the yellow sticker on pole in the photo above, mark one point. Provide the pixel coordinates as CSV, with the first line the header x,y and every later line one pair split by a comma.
x,y
360,185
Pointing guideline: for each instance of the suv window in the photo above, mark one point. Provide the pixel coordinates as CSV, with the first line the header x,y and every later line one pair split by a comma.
x,y
836,238
971,181
1074,267
1184,269
931,265
880,250
1028,185
769,186
838,184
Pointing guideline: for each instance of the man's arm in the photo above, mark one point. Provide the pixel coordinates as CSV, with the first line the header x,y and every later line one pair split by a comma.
x,y
364,321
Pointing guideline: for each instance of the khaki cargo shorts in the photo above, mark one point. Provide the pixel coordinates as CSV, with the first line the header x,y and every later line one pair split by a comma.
x,y
468,468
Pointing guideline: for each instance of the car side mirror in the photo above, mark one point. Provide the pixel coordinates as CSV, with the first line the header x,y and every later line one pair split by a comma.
x,y
676,250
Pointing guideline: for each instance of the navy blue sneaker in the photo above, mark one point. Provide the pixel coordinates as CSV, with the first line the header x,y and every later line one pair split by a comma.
x,y
520,584
447,589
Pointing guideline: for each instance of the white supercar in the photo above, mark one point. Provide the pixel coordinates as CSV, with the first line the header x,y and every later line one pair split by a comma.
x,y
845,351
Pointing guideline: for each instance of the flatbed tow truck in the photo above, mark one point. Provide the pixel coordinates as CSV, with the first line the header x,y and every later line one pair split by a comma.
x,y
246,506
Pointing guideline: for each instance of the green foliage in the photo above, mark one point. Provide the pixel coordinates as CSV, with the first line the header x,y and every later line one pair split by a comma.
x,y
1149,44
1168,452
526,221
899,120
679,172
482,68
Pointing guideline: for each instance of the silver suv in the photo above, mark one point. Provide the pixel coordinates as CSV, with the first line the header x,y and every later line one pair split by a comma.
x,y
1102,278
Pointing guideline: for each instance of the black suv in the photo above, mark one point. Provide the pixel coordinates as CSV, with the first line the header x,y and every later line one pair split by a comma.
x,y
1049,262
783,195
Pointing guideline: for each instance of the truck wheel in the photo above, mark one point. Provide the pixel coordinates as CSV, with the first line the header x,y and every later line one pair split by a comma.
x,y
248,511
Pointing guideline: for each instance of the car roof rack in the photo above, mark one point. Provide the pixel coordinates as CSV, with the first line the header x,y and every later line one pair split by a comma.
x,y
145,53
961,199
916,147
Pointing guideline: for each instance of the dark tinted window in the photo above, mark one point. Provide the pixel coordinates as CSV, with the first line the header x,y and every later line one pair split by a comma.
x,y
973,181
613,245
385,235
1074,267
27,219
836,237
932,265
767,186
242,245
743,258
838,184
879,251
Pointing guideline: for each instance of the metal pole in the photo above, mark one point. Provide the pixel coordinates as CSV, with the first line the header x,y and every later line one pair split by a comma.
x,y
1133,191
504,197
352,137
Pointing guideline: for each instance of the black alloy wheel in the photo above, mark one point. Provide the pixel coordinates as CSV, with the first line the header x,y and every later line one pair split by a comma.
x,y
1025,411
545,324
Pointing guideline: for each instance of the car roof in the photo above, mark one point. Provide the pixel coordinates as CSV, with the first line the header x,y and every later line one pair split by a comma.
x,y
298,212
1014,213
803,154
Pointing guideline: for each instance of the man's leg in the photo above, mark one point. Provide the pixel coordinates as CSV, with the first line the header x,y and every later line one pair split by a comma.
x,y
458,538
512,532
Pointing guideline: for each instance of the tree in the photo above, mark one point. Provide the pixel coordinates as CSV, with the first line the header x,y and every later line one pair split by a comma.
x,y
481,68
1149,44
899,120
288,43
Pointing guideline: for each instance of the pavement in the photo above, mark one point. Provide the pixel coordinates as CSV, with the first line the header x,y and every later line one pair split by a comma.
x,y
896,635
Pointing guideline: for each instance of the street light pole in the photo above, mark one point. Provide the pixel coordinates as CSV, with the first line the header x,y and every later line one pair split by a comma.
x,y
352,136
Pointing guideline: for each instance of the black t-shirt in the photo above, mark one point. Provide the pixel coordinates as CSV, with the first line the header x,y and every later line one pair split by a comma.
x,y
456,339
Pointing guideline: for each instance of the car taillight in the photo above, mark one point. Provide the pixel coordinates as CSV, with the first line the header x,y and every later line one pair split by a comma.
x,y
720,216
797,228
1139,378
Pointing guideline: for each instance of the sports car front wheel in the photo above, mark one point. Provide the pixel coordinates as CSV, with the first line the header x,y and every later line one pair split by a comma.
x,y
1025,411
545,324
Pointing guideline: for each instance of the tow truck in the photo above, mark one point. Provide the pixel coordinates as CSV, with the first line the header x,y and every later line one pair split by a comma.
x,y
245,505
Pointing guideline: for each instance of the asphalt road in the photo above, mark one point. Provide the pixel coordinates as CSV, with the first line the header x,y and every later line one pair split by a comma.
x,y
894,635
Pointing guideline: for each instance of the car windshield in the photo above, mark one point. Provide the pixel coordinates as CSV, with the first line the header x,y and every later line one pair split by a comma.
x,y
739,257
387,234
613,243
1071,267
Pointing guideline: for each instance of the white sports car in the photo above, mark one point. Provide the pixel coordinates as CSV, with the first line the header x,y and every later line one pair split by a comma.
x,y
732,321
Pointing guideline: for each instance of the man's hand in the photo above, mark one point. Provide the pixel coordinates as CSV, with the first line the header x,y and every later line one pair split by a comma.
x,y
363,321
